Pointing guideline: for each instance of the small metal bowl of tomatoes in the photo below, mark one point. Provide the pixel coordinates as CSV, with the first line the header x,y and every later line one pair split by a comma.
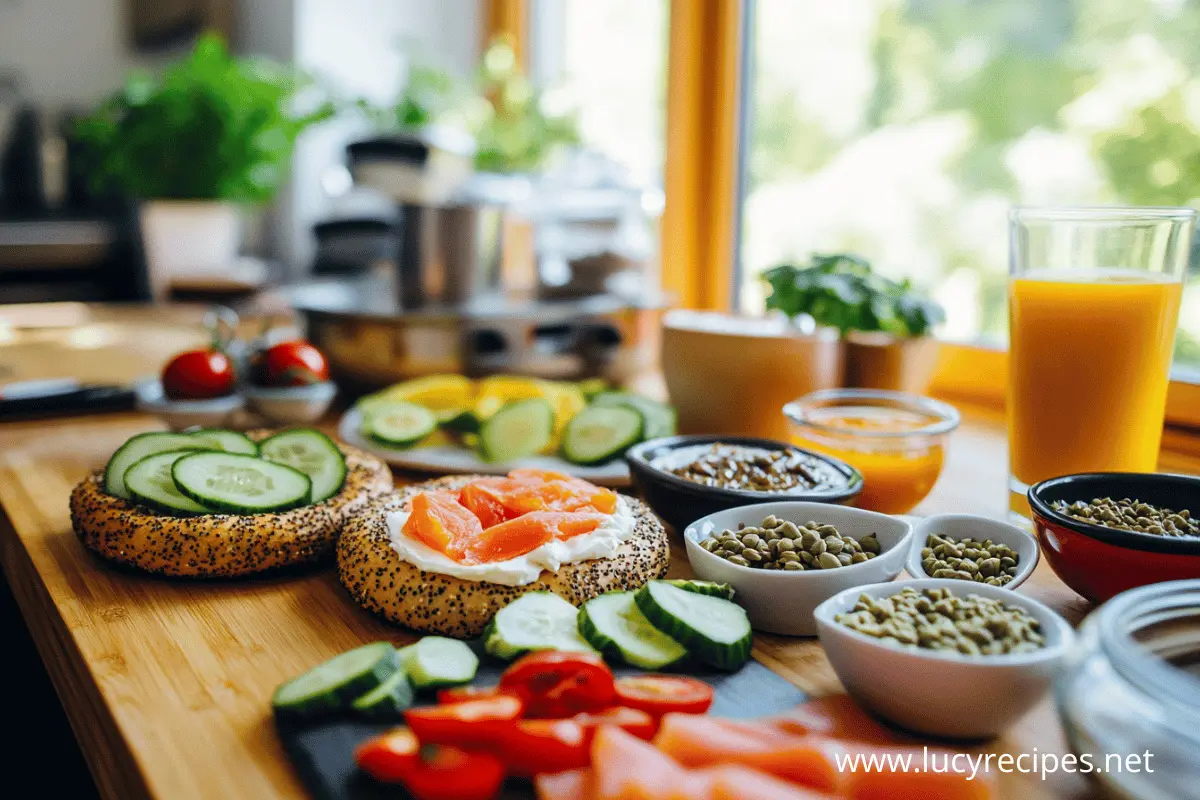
x,y
1098,561
289,383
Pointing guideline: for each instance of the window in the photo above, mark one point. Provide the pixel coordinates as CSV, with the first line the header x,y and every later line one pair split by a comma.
x,y
905,129
609,58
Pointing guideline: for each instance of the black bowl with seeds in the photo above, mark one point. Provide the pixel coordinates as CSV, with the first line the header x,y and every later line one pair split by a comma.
x,y
1101,531
684,478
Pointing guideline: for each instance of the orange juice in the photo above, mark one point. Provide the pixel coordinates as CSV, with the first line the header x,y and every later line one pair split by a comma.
x,y
898,471
1090,355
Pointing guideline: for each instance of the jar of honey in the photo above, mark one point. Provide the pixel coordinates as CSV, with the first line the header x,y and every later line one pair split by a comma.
x,y
896,440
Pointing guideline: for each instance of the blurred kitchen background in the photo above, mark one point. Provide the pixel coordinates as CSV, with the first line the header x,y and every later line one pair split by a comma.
x,y
902,130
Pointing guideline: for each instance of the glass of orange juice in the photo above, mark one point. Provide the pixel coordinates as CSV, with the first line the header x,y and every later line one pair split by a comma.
x,y
1093,301
896,440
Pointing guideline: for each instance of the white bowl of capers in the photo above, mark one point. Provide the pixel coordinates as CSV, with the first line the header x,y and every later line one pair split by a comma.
x,y
972,548
943,657
783,559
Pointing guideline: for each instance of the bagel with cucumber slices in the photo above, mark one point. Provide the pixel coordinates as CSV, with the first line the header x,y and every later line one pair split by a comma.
x,y
496,563
217,503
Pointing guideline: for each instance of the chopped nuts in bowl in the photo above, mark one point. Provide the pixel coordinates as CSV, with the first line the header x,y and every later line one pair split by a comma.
x,y
779,598
920,669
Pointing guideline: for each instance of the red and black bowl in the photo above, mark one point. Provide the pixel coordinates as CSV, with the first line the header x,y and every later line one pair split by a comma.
x,y
1100,562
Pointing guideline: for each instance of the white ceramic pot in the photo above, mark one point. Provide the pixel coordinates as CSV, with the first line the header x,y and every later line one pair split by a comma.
x,y
189,238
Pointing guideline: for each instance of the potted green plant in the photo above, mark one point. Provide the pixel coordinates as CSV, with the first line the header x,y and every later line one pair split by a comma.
x,y
210,136
886,325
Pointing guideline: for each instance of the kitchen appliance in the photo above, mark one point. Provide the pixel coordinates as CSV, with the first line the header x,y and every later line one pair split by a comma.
x,y
450,304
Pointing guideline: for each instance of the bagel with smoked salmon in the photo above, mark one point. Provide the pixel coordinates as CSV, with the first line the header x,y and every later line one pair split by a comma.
x,y
379,579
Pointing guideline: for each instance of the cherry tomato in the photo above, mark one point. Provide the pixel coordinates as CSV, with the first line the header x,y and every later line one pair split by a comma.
x,y
430,771
198,375
459,694
557,684
295,363
661,694
389,757
483,722
631,720
546,745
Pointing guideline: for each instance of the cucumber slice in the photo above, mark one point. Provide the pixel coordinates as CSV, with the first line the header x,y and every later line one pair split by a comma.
x,y
462,422
240,484
722,590
150,483
137,448
659,417
517,430
614,625
534,621
436,661
229,441
601,433
399,423
387,699
311,452
334,685
716,631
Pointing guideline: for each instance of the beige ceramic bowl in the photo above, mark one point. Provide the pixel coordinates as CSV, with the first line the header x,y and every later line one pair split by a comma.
x,y
732,375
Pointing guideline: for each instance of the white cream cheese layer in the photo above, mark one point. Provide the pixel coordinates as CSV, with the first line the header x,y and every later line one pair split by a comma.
x,y
600,543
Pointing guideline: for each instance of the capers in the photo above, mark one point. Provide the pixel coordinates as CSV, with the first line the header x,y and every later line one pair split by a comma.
x,y
1131,515
784,545
936,619
969,559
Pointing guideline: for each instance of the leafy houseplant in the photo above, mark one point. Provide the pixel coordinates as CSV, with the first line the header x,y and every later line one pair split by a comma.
x,y
211,133
886,324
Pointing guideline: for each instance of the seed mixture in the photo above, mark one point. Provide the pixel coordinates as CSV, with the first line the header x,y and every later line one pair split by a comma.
x,y
754,469
781,544
938,619
1131,515
969,559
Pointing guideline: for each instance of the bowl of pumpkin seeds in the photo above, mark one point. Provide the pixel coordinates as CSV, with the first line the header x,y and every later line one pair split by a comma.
x,y
1104,533
943,657
785,558
968,547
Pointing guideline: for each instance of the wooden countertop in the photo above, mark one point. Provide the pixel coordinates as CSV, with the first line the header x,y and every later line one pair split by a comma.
x,y
167,683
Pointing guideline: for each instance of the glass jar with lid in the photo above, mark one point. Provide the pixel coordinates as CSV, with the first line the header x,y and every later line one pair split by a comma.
x,y
1129,694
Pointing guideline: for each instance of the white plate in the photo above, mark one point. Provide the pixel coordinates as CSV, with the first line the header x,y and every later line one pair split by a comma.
x,y
452,460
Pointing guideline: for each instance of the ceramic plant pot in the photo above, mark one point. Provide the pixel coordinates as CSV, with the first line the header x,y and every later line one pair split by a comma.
x,y
733,375
882,361
189,238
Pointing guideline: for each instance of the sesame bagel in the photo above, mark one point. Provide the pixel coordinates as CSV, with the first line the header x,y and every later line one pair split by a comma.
x,y
222,545
429,602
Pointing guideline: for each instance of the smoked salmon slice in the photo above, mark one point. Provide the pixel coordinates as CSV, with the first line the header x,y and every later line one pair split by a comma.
x,y
485,499
439,521
575,784
914,784
508,540
742,783
627,768
696,740
836,716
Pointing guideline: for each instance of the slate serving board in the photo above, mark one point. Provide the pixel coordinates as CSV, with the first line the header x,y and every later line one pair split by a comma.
x,y
323,752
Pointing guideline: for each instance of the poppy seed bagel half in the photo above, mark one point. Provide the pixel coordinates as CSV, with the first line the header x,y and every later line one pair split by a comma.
x,y
429,602
222,545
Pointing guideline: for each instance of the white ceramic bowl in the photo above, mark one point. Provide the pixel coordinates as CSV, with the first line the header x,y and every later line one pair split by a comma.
x,y
292,405
179,414
936,693
782,602
979,528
